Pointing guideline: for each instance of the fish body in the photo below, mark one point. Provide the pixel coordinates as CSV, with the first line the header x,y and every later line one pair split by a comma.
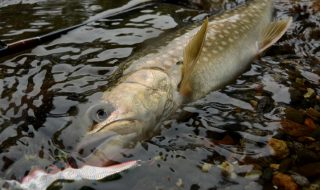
x,y
154,86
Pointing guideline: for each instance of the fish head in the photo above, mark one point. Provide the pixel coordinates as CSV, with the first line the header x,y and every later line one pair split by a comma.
x,y
111,132
128,113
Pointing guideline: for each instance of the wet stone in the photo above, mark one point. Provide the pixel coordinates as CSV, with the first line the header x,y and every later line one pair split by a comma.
x,y
295,95
310,170
313,113
267,174
316,134
285,164
279,148
284,181
307,156
294,115
265,105
300,180
294,129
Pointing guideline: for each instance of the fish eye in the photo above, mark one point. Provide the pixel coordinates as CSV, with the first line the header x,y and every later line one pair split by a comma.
x,y
100,112
101,115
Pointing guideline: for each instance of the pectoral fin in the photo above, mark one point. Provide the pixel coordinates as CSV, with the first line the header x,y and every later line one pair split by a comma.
x,y
273,33
190,57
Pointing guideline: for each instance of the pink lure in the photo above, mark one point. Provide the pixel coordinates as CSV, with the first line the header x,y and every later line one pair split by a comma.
x,y
39,179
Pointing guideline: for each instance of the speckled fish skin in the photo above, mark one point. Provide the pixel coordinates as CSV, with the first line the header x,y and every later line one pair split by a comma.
x,y
148,92
232,43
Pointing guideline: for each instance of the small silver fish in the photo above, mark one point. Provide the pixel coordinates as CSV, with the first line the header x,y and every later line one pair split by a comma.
x,y
189,67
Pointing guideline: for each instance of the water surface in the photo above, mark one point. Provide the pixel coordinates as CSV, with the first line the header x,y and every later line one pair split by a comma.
x,y
43,91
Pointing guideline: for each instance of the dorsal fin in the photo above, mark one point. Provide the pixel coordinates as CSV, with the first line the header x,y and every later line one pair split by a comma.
x,y
190,57
273,32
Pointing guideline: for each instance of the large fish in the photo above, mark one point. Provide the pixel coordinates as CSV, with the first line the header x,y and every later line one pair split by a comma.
x,y
190,66
156,85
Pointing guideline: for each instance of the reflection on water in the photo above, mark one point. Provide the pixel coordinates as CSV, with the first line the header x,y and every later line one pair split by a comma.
x,y
46,89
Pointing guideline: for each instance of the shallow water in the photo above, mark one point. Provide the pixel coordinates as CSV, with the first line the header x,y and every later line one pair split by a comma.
x,y
44,89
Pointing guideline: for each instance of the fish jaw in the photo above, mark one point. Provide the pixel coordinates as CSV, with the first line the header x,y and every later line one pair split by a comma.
x,y
105,148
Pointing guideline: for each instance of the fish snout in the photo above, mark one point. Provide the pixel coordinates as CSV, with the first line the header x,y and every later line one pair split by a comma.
x,y
109,143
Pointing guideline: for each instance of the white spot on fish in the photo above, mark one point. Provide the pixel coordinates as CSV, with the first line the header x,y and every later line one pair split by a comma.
x,y
213,38
151,62
171,52
206,59
167,63
234,19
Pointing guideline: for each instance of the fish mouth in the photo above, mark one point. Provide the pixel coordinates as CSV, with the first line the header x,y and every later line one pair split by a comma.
x,y
119,126
115,135
105,148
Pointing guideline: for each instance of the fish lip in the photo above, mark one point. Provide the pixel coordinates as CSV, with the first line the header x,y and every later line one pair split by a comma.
x,y
105,133
91,140
109,125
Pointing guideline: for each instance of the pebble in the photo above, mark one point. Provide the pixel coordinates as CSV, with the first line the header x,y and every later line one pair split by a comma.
x,y
275,166
206,167
294,115
310,170
294,129
300,180
284,182
253,175
279,148
309,94
179,183
313,187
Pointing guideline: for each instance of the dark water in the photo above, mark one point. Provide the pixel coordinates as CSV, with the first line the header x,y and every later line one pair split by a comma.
x,y
46,89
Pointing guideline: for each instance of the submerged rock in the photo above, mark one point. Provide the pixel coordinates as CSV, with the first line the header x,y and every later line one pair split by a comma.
x,y
284,181
294,129
300,180
206,167
310,170
310,92
294,115
279,148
